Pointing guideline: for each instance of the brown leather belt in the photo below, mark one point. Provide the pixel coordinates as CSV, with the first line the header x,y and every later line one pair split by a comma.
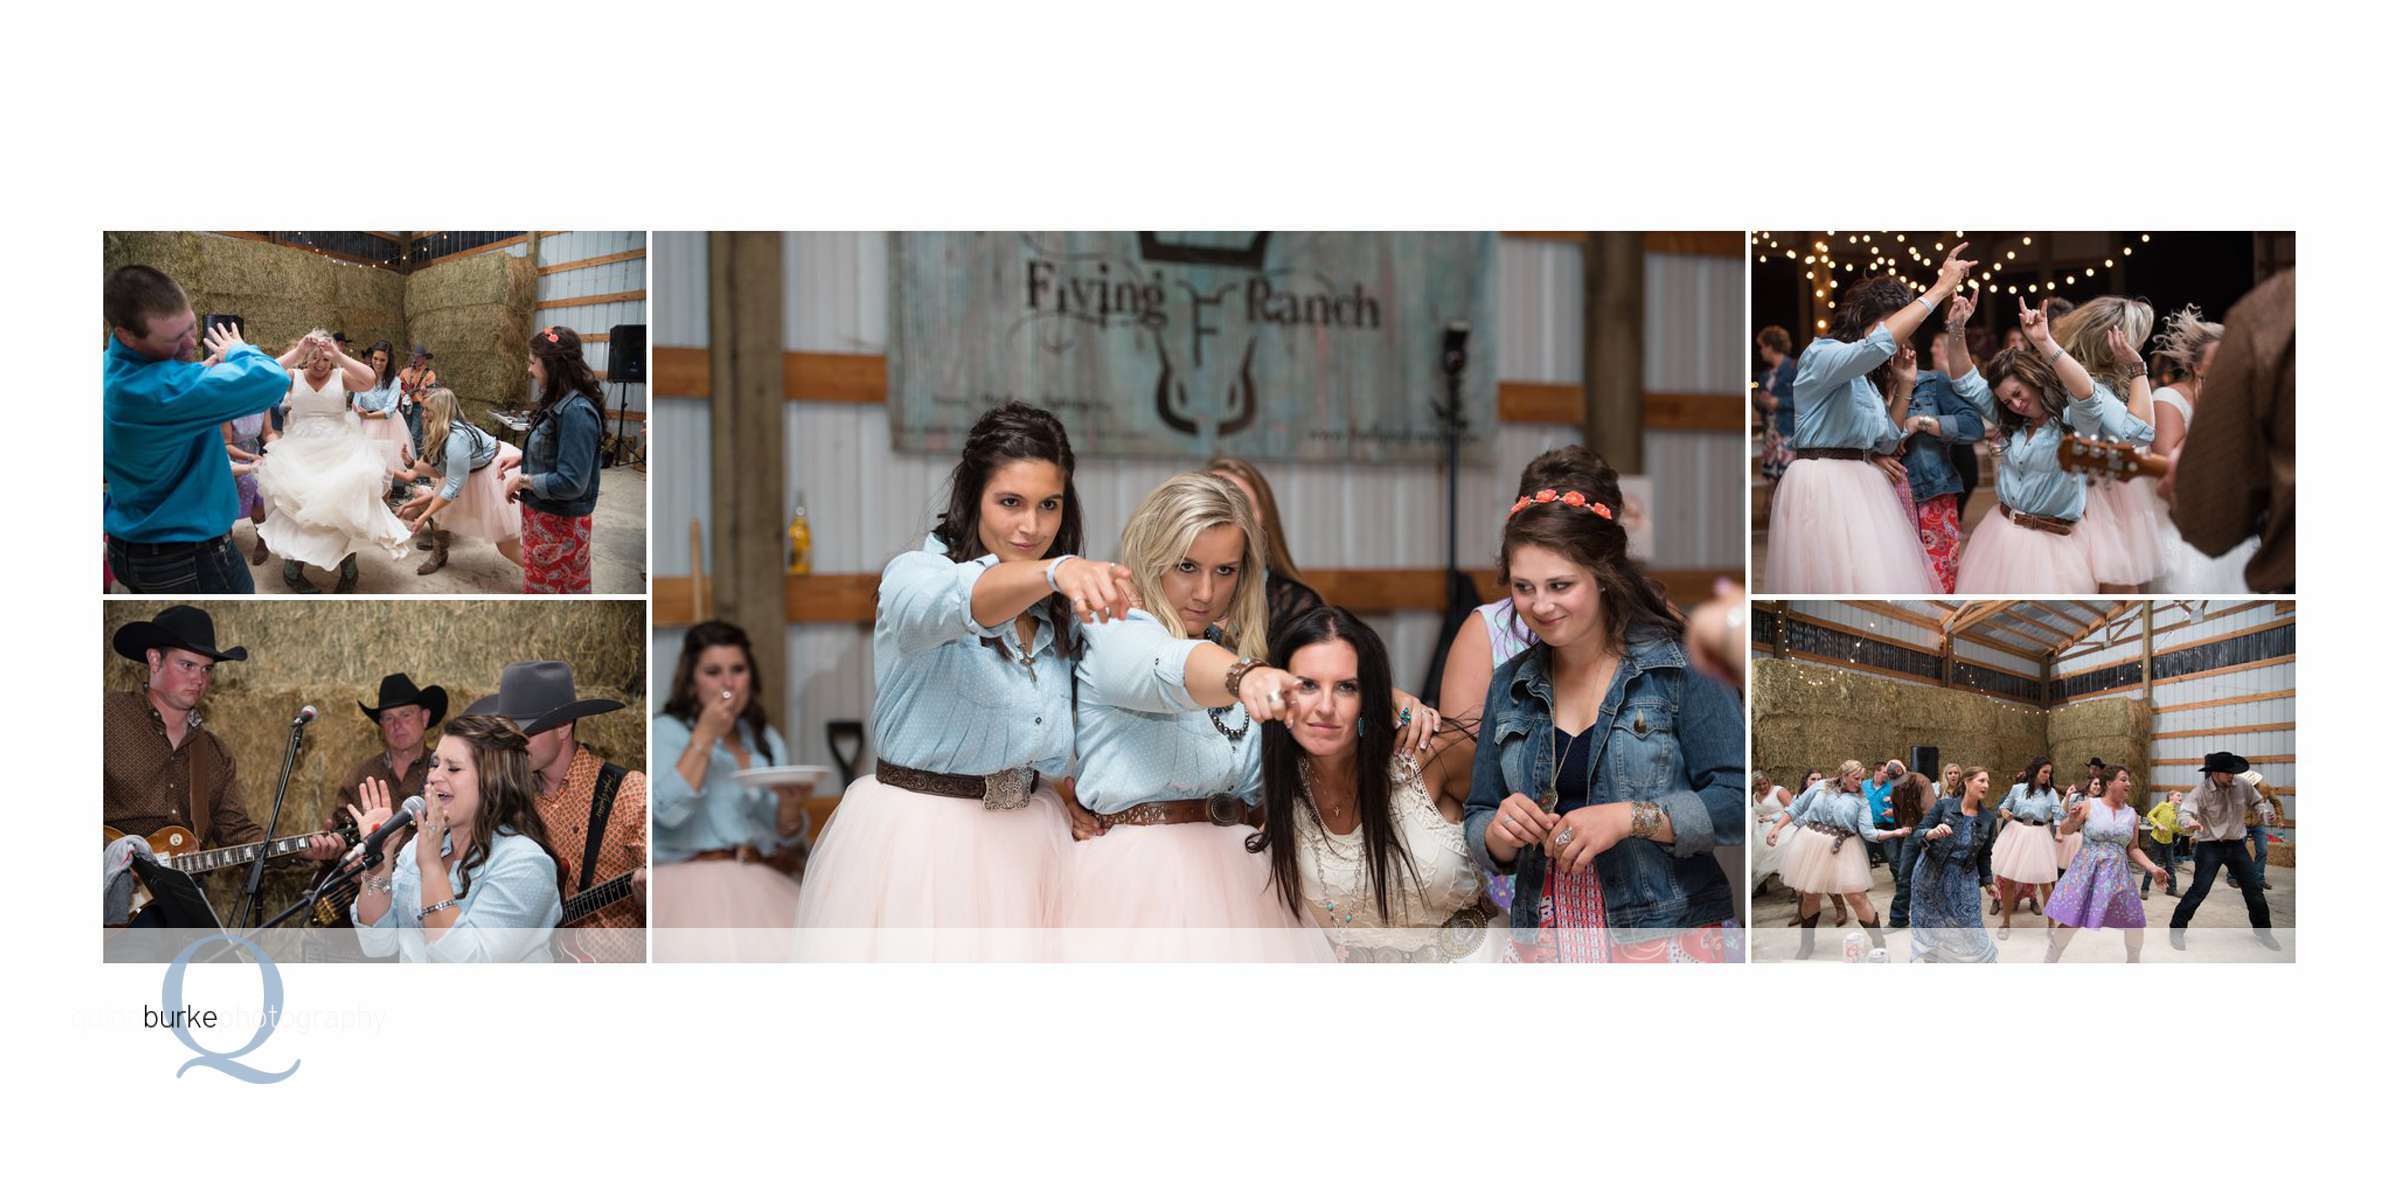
x,y
1003,791
1831,452
742,854
1220,809
2052,525
1839,833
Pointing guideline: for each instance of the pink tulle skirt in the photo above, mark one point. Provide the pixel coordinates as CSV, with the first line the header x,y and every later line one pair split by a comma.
x,y
1187,893
393,430
907,876
2121,520
2025,854
1811,864
482,510
2004,558
720,911
1838,527
2068,846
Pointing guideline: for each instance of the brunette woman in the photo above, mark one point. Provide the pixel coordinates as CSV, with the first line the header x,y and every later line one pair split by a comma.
x,y
476,882
955,847
560,485
718,843
2097,892
1608,771
1945,902
2025,853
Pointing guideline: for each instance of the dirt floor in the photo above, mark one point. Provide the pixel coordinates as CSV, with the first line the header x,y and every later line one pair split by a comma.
x,y
2220,930
620,555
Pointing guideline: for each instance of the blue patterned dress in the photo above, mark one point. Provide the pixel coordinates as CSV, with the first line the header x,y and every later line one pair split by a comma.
x,y
2098,890
1945,894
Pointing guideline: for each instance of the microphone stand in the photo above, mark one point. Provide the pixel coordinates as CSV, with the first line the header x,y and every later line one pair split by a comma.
x,y
252,899
341,874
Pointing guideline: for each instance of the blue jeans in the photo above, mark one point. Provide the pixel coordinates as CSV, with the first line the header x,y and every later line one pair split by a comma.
x,y
1904,864
2234,856
203,568
2258,852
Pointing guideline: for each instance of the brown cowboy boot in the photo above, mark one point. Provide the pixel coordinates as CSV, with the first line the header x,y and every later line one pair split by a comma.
x,y
1808,936
441,553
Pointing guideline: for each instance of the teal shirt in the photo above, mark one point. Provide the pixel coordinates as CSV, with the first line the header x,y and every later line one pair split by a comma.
x,y
161,449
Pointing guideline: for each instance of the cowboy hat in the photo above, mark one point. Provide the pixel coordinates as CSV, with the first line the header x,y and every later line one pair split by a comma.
x,y
397,690
2226,761
181,627
539,696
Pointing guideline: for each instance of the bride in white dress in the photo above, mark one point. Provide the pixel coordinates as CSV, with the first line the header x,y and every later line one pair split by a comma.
x,y
324,480
1363,838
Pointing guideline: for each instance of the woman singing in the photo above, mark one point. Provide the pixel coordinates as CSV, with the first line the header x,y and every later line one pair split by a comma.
x,y
2097,892
716,841
1167,739
1607,772
476,883
956,846
1361,837
1837,524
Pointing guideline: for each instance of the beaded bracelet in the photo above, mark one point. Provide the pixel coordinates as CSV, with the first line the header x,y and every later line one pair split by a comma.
x,y
431,909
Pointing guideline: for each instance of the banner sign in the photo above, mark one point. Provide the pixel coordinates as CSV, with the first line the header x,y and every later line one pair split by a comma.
x,y
1315,347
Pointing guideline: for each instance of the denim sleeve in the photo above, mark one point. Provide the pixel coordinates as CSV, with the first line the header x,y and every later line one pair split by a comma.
x,y
1709,813
1960,846
1488,786
511,907
926,600
672,801
576,431
1959,420
1136,664
1976,393
2116,422
458,459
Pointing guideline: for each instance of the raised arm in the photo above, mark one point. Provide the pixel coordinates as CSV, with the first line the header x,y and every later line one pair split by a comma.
x,y
2071,375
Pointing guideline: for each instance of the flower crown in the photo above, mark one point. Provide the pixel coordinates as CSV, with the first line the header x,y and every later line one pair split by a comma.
x,y
551,332
1552,496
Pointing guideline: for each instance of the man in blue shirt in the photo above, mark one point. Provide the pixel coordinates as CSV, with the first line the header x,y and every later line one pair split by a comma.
x,y
170,502
1878,793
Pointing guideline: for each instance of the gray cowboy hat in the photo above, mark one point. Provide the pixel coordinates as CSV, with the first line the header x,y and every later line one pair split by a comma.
x,y
397,690
539,696
181,627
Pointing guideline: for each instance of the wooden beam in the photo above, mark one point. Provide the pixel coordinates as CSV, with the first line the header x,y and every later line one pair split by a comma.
x,y
1722,412
746,445
2248,666
486,248
2218,615
679,371
2106,615
1523,403
1569,235
2224,731
1716,244
2222,701
600,261
834,378
581,301
1897,613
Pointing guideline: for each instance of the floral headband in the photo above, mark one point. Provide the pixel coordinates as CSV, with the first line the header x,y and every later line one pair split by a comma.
x,y
552,334
1570,499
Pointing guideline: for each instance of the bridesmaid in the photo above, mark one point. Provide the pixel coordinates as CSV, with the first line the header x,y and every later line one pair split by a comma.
x,y
2025,854
1945,896
1828,855
1361,836
722,847
2097,891
2105,334
956,846
1637,759
1168,709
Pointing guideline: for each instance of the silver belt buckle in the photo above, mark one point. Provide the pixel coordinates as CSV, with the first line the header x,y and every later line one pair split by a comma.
x,y
1224,809
1009,790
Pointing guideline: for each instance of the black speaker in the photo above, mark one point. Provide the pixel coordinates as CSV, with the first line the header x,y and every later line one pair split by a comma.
x,y
212,320
1926,761
628,353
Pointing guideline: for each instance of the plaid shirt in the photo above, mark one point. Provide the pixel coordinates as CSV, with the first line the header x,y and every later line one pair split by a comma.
x,y
625,844
149,783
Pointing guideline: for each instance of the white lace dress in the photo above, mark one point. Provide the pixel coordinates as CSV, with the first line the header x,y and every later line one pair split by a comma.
x,y
1437,913
324,482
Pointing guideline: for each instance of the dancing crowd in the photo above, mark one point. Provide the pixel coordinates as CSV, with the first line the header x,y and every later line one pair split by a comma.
x,y
1874,459
327,455
2084,858
1187,754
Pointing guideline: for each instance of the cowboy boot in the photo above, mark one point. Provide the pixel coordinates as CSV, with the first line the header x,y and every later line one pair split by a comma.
x,y
441,553
258,550
1808,936
293,579
1874,928
349,580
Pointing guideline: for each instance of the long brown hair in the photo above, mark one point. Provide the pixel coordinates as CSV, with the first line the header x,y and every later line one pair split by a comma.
x,y
1909,796
563,368
1270,517
505,792
1015,432
1598,545
683,697
1864,306
2026,367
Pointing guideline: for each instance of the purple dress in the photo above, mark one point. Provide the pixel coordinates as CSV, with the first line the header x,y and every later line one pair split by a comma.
x,y
2099,889
248,433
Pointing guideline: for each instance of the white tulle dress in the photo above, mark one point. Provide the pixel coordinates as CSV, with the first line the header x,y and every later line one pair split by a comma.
x,y
324,481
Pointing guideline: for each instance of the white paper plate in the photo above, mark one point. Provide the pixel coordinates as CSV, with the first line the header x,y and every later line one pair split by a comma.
x,y
814,777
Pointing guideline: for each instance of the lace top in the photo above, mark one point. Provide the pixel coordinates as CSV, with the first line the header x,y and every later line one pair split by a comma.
x,y
1340,897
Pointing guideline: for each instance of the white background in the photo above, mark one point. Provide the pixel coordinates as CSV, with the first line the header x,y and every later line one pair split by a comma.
x,y
2175,1079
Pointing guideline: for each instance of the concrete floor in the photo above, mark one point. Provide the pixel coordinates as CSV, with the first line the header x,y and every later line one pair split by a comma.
x,y
2220,930
620,555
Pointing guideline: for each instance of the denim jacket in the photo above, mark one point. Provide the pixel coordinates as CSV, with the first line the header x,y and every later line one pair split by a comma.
x,y
1674,737
1930,471
562,459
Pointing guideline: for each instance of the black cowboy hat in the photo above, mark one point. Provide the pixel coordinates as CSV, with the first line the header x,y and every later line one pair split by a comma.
x,y
2226,761
419,352
396,690
539,696
179,628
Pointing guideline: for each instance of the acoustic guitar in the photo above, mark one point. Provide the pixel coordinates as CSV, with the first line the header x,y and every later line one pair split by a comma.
x,y
2095,459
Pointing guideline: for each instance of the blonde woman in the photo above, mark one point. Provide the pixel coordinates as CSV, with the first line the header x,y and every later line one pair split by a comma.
x,y
1823,859
1287,596
461,484
2105,334
323,481
1167,708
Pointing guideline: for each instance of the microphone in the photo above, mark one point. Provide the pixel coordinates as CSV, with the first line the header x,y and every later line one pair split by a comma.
x,y
308,712
406,818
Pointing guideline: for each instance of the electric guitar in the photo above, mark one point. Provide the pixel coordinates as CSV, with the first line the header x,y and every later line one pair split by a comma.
x,y
577,944
177,847
2097,460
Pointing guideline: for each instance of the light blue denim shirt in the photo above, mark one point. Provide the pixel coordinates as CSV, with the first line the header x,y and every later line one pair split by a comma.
x,y
383,397
466,450
505,915
1139,735
2031,481
721,813
2046,806
945,701
1839,408
1826,804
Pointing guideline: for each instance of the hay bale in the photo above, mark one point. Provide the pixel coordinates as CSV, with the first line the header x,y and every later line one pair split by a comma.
x,y
476,314
1806,717
332,654
2114,729
281,292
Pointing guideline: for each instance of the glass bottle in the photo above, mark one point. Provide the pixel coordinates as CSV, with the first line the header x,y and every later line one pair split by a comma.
x,y
799,537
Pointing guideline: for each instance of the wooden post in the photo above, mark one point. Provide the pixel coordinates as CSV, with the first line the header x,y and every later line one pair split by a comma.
x,y
1612,349
745,314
